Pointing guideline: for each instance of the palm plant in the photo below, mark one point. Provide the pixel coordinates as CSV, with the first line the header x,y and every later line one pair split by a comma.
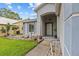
x,y
8,28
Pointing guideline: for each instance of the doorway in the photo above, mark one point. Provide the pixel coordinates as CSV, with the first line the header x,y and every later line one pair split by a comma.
x,y
49,29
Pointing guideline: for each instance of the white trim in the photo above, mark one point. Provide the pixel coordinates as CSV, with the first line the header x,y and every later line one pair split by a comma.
x,y
67,50
73,14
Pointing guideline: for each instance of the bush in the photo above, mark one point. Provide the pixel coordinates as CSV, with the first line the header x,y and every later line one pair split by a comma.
x,y
3,30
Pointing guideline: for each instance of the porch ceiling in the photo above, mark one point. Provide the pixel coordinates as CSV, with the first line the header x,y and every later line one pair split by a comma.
x,y
49,17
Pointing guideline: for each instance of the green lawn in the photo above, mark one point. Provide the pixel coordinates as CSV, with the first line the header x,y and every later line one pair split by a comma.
x,y
10,47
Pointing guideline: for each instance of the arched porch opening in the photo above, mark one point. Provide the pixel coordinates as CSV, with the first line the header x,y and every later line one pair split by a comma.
x,y
49,24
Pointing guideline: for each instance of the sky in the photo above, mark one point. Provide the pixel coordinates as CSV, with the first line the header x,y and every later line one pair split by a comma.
x,y
25,10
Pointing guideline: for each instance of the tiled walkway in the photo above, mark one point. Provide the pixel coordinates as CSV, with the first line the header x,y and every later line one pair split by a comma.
x,y
41,50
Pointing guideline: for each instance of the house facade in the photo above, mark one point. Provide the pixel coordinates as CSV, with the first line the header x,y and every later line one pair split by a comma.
x,y
3,22
61,20
29,27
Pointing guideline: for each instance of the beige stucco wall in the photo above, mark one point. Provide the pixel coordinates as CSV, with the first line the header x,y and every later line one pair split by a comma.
x,y
20,25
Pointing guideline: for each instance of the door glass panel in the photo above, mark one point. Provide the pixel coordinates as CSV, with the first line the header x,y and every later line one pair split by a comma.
x,y
49,29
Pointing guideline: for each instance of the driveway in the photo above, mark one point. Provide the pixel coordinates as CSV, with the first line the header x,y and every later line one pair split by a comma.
x,y
41,50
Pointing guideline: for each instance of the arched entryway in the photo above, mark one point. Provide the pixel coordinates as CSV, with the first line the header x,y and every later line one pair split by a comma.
x,y
49,24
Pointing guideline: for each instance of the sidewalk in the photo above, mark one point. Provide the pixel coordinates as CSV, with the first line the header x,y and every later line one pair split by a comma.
x,y
41,50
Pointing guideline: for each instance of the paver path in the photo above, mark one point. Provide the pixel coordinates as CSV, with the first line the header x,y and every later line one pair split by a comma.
x,y
41,50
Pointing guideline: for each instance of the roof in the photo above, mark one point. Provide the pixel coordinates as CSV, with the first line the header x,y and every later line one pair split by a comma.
x,y
28,21
18,21
4,20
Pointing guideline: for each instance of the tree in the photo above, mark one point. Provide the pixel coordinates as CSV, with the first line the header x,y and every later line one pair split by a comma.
x,y
8,28
9,14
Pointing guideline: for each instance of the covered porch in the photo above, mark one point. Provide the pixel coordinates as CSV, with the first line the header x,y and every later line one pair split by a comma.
x,y
49,25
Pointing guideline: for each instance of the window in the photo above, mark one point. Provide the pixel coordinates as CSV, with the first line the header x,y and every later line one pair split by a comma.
x,y
31,28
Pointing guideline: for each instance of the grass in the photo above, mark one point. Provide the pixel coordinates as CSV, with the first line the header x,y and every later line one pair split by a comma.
x,y
9,47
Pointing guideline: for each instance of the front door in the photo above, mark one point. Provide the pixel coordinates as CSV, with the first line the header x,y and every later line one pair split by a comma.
x,y
49,29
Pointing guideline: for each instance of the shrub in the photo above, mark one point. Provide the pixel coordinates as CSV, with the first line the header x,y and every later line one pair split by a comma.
x,y
3,30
